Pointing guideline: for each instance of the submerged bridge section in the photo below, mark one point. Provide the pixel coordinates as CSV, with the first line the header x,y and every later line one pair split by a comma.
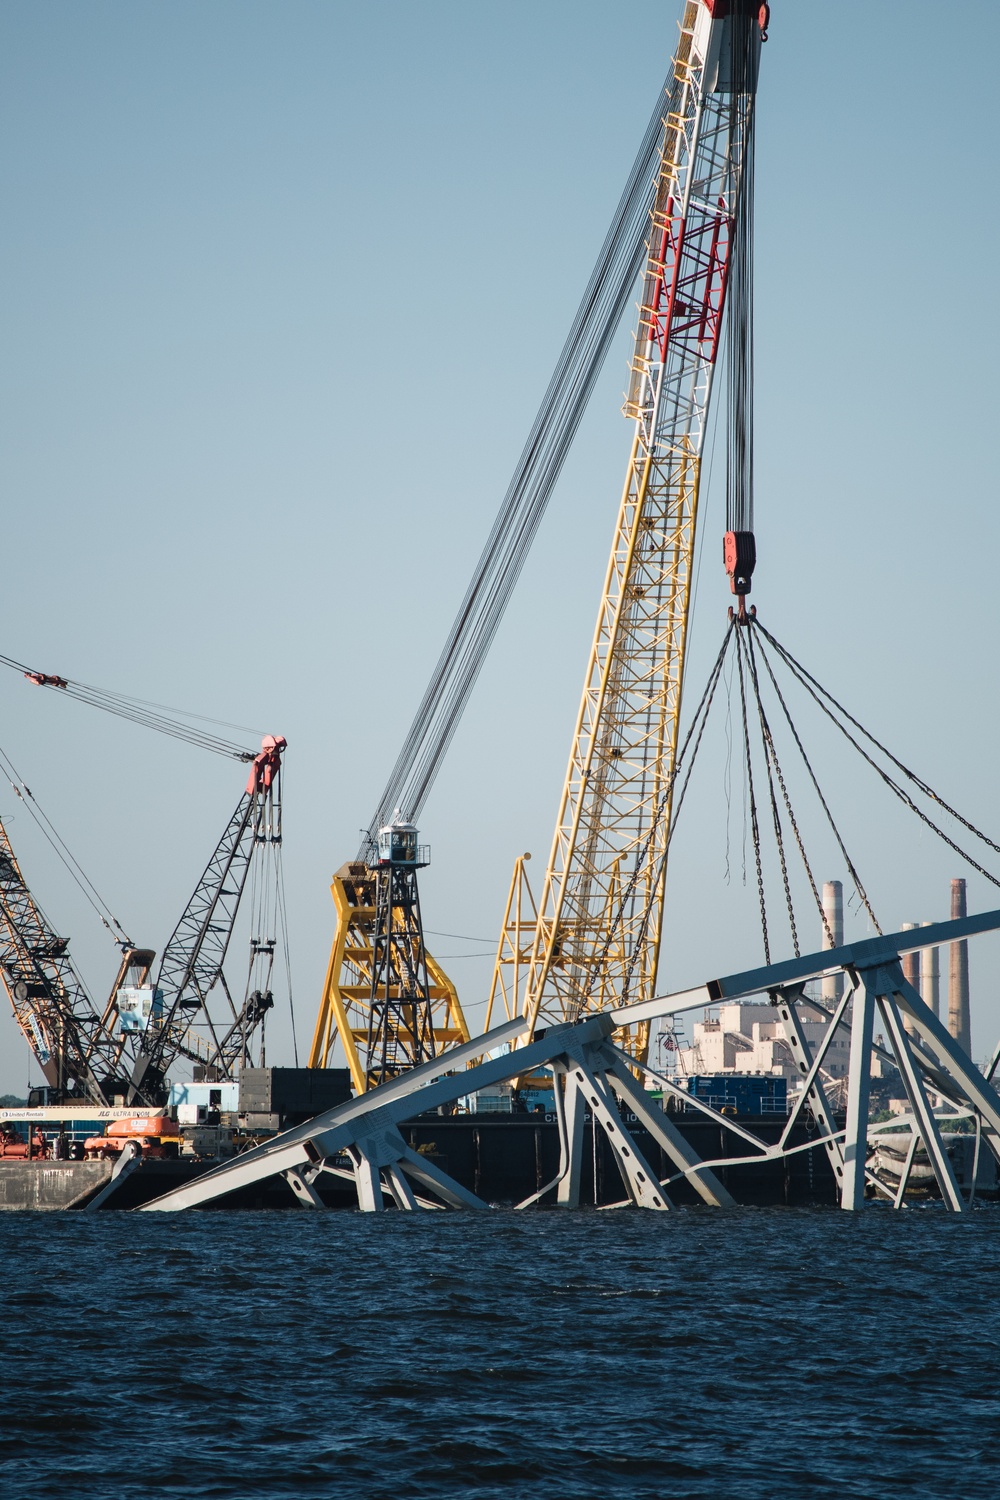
x,y
361,1140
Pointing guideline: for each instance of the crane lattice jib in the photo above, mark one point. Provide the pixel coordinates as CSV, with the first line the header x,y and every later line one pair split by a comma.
x,y
593,946
192,963
76,1051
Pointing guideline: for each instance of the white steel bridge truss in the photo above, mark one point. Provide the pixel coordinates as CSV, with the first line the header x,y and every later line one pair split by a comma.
x,y
592,1075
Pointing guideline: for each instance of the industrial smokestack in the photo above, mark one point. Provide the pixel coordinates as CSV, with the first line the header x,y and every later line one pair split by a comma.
x,y
959,1017
911,968
833,911
930,977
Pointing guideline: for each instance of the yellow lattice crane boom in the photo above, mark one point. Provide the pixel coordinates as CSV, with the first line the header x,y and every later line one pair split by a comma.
x,y
596,939
595,935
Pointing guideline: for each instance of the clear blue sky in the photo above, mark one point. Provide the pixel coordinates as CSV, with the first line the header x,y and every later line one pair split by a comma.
x,y
281,288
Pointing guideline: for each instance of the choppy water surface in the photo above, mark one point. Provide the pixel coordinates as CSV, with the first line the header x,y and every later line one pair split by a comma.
x,y
734,1355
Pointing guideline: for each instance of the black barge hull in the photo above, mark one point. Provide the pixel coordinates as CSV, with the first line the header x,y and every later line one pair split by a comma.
x,y
503,1159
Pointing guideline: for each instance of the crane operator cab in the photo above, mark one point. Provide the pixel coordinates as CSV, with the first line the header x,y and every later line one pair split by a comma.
x,y
397,845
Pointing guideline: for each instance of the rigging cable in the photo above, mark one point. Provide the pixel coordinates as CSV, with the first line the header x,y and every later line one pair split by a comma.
x,y
918,781
772,752
775,815
286,952
771,766
754,825
142,711
593,329
819,693
740,550
851,868
64,854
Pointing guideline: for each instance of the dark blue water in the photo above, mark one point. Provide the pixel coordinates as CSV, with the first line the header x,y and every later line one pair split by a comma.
x,y
762,1353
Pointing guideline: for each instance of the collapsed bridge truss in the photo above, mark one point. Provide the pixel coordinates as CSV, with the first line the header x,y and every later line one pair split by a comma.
x,y
361,1140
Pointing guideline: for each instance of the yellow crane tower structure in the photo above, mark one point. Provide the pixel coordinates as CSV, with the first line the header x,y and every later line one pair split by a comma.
x,y
385,998
594,937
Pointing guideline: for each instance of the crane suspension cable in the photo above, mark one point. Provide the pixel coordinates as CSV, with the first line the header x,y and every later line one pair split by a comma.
x,y
157,716
286,953
580,362
739,295
754,823
740,548
771,753
752,654
807,679
823,699
704,708
79,876
770,765
851,868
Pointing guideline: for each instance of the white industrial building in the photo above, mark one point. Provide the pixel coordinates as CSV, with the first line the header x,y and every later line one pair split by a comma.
x,y
744,1038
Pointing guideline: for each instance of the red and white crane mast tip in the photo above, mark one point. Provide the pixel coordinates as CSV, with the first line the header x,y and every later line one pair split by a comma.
x,y
267,764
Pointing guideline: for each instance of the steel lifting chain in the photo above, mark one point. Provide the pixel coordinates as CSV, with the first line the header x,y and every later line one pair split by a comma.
x,y
787,800
815,690
754,826
770,765
851,868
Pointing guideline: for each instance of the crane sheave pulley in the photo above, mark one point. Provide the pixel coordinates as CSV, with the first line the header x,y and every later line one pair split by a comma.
x,y
614,818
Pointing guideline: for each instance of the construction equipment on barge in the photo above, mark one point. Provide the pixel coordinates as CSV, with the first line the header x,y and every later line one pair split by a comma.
x,y
591,943
577,970
687,196
126,1048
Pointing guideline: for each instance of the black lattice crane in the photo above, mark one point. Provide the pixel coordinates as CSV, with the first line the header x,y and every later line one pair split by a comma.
x,y
82,1053
400,1014
145,1027
191,969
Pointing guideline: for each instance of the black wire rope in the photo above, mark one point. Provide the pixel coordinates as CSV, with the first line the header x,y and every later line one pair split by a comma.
x,y
286,951
769,757
754,825
64,854
708,697
142,711
771,750
720,663
739,291
918,781
598,317
814,689
851,867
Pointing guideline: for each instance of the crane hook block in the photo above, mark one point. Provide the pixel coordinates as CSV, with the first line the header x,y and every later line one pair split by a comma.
x,y
739,553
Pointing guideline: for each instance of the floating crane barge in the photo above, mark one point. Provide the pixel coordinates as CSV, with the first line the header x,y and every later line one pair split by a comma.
x,y
576,970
